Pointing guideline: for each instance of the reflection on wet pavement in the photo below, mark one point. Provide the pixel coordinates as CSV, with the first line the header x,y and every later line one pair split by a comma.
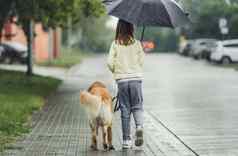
x,y
196,100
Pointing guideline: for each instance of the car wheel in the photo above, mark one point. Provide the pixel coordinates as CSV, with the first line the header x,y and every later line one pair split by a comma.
x,y
208,57
204,55
225,60
23,61
195,57
1,60
199,56
7,60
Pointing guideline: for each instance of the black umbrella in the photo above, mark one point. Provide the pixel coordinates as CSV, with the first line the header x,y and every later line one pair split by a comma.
x,y
165,13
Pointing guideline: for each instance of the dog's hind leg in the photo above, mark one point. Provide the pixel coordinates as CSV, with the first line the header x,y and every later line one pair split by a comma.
x,y
109,137
94,137
104,136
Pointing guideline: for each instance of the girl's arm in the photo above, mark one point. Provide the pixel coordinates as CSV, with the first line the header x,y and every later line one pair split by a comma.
x,y
111,58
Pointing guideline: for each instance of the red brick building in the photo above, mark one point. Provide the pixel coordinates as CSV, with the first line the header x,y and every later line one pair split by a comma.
x,y
46,44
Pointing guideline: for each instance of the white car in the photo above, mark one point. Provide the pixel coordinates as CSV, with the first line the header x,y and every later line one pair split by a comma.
x,y
225,52
200,46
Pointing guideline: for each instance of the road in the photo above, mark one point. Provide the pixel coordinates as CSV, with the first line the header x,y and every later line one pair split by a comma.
x,y
195,100
190,109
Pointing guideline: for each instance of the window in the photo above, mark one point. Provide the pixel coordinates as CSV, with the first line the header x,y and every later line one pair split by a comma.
x,y
203,43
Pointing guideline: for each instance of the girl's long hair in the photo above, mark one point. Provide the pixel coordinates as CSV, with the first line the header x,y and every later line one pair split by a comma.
x,y
124,33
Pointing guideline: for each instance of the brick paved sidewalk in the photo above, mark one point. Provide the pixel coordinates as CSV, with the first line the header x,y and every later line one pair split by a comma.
x,y
61,129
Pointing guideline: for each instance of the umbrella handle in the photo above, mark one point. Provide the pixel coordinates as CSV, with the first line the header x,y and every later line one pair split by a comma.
x,y
142,34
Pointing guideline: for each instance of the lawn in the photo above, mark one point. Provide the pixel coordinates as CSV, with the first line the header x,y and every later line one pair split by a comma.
x,y
20,96
68,57
234,66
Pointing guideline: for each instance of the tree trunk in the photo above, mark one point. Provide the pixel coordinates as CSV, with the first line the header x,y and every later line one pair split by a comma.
x,y
1,29
69,31
0,36
30,38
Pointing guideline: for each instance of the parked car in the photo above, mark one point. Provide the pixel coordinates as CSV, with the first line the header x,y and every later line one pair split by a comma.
x,y
206,53
1,52
187,49
12,52
200,46
225,52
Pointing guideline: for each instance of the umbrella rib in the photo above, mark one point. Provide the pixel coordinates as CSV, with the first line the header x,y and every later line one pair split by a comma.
x,y
138,20
174,24
107,1
165,13
164,4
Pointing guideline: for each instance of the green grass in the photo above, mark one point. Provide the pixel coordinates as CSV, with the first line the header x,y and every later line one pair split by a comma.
x,y
20,96
67,58
234,66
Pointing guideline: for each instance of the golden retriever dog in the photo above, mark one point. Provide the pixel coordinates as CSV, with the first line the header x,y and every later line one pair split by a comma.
x,y
98,103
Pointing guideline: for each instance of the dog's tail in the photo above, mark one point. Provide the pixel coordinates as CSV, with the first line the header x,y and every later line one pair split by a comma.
x,y
88,98
96,84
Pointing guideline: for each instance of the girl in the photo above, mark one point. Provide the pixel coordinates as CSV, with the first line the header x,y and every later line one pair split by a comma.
x,y
125,61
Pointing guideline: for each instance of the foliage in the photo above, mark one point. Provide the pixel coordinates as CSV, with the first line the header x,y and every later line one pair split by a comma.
x,y
165,39
54,13
51,13
28,93
206,14
230,66
5,7
95,36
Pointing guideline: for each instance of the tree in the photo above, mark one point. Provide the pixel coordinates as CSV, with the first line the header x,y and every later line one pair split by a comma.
x,y
5,7
205,17
91,34
165,39
233,20
52,13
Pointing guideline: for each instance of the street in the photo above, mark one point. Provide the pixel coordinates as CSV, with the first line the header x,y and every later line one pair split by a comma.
x,y
196,100
190,109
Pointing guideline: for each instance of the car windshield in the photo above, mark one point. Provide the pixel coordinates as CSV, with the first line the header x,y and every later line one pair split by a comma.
x,y
17,46
212,44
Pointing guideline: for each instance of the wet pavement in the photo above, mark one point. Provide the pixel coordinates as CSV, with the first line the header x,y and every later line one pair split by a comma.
x,y
190,109
196,101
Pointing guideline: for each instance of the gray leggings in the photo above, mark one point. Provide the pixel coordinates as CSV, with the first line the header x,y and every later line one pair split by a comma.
x,y
131,101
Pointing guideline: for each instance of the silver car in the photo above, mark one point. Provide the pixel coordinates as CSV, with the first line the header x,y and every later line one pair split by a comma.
x,y
12,52
200,47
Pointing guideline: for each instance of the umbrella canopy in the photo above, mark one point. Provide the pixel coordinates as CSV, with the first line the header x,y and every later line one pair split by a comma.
x,y
165,13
